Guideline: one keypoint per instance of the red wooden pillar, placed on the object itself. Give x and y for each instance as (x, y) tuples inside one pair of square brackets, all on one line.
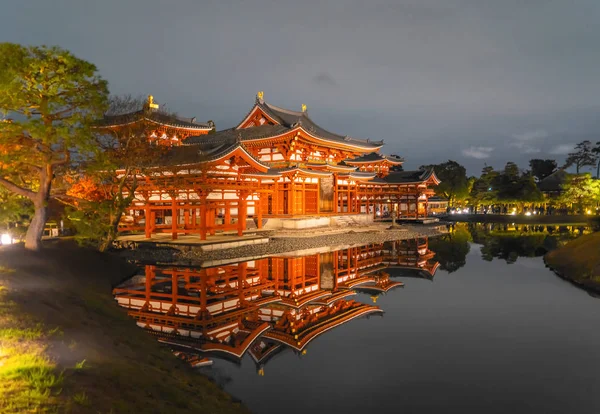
[(227, 215), (258, 210), (242, 215), (203, 220), (174, 216), (275, 198), (149, 221), (186, 218), (292, 198), (212, 220)]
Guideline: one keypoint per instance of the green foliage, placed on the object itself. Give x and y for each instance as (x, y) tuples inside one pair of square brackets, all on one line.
[(541, 169), (508, 186), (91, 222), (582, 192), (50, 98), (454, 183), (13, 208)]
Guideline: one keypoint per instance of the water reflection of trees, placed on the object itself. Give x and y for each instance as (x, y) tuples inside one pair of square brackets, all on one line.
[(451, 250), (511, 241)]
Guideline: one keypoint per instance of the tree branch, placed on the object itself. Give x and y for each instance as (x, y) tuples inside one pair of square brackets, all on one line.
[(10, 186)]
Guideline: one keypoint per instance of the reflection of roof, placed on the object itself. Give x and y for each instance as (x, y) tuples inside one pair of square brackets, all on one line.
[(292, 119), (299, 340), (375, 157), (553, 182), (153, 116)]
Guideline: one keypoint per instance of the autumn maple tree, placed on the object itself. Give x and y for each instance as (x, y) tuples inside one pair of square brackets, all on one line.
[(49, 100)]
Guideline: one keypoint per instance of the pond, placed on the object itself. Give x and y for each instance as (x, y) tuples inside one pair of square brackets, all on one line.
[(470, 322)]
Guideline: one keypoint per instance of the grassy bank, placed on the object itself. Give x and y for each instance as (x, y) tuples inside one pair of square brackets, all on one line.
[(65, 346), (519, 219), (578, 261)]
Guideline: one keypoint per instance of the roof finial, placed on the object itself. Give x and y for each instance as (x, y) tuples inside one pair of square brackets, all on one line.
[(260, 96), (151, 104), (303, 107)]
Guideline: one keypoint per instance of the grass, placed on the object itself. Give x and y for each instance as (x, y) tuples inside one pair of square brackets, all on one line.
[(81, 398), (66, 346), (578, 260), (29, 380)]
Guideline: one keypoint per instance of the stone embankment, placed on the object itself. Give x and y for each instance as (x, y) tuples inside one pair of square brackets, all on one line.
[(280, 243)]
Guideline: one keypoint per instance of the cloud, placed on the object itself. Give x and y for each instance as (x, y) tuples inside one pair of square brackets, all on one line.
[(478, 152), (324, 79), (562, 149), (531, 150), (531, 135), (522, 141)]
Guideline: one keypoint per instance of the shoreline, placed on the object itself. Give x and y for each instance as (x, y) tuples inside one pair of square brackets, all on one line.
[(578, 262), (280, 244), (59, 320)]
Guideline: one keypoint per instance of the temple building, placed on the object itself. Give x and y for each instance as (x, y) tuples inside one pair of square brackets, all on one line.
[(276, 169)]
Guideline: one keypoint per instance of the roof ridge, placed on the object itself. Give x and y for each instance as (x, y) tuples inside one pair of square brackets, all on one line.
[(287, 111)]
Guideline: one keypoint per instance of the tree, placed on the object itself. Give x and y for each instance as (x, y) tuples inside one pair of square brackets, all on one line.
[(52, 98), (454, 183), (483, 190), (100, 196), (541, 169), (596, 151), (581, 191), (14, 210), (583, 156)]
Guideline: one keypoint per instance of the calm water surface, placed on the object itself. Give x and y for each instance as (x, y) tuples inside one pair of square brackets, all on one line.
[(480, 326)]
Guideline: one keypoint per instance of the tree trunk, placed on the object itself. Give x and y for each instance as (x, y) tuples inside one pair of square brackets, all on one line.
[(33, 238)]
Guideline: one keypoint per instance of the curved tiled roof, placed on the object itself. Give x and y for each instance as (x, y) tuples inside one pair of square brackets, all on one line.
[(193, 154), (232, 134), (376, 157), (292, 119), (409, 176), (153, 116)]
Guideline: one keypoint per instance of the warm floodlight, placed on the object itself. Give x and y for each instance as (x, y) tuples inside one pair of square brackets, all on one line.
[(5, 239)]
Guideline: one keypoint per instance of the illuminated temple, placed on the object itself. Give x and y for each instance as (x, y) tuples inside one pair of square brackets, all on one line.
[(269, 305), (276, 169)]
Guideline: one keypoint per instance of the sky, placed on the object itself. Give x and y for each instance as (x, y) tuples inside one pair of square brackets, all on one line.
[(476, 81)]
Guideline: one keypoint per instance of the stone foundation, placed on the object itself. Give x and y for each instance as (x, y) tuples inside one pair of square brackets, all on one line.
[(315, 222)]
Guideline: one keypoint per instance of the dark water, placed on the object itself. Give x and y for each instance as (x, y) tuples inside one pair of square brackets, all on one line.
[(480, 326)]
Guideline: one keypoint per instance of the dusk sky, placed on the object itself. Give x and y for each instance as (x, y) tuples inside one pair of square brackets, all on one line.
[(477, 81)]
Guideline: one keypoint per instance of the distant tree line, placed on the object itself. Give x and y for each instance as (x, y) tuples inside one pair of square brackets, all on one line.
[(514, 189)]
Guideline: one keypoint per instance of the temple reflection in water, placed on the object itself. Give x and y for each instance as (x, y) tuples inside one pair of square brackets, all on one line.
[(268, 305)]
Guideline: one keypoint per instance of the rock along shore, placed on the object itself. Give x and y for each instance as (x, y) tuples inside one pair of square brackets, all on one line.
[(281, 243)]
